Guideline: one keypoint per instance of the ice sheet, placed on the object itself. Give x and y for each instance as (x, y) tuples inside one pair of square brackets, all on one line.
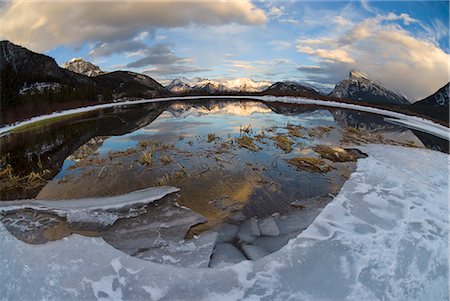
[(385, 236), (102, 210)]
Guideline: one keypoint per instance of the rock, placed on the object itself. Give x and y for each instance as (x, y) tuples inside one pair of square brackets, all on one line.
[(248, 231), (268, 227), (254, 252), (225, 254)]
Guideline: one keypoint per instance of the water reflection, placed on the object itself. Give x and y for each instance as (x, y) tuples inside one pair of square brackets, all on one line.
[(232, 160)]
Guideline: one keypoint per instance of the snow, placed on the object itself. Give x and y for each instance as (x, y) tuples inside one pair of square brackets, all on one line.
[(384, 236), (182, 84), (102, 211), (419, 123)]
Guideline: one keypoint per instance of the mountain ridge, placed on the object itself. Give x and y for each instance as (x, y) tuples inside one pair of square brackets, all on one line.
[(361, 87), (80, 66)]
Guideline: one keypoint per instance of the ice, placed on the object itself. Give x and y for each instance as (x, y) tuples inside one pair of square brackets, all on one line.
[(418, 123), (225, 254), (385, 243), (248, 230), (226, 232), (254, 252), (100, 211), (161, 225), (268, 227)]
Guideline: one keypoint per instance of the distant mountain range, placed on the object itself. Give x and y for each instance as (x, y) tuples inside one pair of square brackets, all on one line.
[(183, 85), (33, 78)]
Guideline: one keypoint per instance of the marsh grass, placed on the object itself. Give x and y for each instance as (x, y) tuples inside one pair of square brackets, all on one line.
[(283, 142), (247, 142), (146, 158), (310, 164), (165, 160), (212, 137), (335, 154)]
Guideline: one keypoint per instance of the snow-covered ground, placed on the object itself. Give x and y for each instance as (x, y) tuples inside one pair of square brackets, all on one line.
[(418, 123), (384, 237)]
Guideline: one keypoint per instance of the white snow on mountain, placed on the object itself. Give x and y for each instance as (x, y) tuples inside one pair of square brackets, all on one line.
[(78, 65), (359, 86), (384, 237), (182, 84), (39, 87)]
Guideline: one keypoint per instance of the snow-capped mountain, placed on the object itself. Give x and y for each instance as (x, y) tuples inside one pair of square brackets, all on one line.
[(288, 88), (439, 99), (183, 85), (183, 110), (359, 86), (78, 65)]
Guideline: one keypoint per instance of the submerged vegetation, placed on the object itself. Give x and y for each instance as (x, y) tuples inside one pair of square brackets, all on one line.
[(310, 164), (247, 142), (283, 142), (147, 158), (335, 154)]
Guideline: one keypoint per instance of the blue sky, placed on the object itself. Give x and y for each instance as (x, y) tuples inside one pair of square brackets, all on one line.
[(403, 44)]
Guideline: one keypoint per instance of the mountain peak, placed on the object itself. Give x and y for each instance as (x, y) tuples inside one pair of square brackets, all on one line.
[(358, 74), (78, 65), (359, 86)]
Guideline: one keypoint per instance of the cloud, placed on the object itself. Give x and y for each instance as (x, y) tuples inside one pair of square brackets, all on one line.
[(110, 48), (275, 12), (279, 44), (383, 49), (158, 54), (45, 25), (172, 70)]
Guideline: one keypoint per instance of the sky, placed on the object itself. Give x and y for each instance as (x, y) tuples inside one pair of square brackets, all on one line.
[(402, 44)]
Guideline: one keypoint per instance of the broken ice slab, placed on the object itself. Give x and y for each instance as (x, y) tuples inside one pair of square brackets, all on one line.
[(102, 211), (248, 230), (159, 236), (268, 227), (225, 254), (192, 253), (226, 232), (254, 252)]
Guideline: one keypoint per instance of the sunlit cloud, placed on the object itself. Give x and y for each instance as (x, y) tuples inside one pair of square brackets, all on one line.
[(45, 25), (384, 50)]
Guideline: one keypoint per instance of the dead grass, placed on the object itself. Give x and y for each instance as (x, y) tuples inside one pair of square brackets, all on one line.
[(212, 137), (130, 151), (247, 142), (165, 160), (283, 142), (319, 131), (7, 173), (295, 130), (146, 158), (310, 164), (335, 154), (245, 129)]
